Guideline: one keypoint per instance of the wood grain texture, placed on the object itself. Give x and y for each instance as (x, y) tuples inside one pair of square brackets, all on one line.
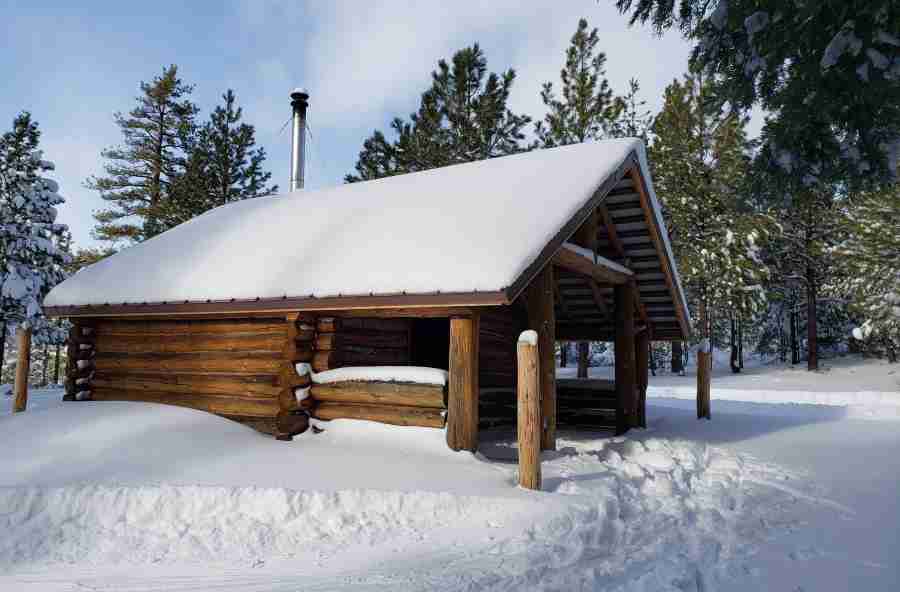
[(243, 362), (259, 386), (381, 393), (625, 370), (704, 370), (220, 404), (396, 415), (23, 366), (462, 391), (529, 415), (542, 318)]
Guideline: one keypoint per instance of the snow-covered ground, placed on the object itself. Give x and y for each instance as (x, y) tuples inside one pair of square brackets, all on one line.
[(767, 495)]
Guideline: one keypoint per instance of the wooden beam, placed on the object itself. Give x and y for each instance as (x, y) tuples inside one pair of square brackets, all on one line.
[(462, 392), (395, 415), (610, 227), (598, 297), (542, 318), (381, 393), (572, 261), (586, 235), (625, 363), (23, 365)]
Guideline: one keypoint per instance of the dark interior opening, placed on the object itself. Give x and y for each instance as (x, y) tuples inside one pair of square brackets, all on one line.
[(430, 343)]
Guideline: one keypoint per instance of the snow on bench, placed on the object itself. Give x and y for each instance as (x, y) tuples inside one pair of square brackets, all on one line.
[(413, 374)]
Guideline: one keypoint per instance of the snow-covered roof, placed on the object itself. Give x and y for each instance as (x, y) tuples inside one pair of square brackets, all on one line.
[(474, 228)]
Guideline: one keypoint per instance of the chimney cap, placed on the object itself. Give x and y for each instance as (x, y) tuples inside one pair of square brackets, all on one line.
[(299, 93)]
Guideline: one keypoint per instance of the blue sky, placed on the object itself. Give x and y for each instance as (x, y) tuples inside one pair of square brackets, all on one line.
[(73, 64)]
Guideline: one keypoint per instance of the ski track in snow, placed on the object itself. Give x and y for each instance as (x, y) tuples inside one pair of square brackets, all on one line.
[(642, 513)]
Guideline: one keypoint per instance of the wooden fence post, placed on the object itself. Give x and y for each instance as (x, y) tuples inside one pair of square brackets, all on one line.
[(22, 368), (704, 370), (529, 410), (462, 390)]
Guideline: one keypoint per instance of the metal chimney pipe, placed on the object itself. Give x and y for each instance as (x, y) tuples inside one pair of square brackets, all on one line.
[(299, 103)]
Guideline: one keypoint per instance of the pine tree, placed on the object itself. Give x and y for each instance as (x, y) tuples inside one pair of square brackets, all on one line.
[(869, 256), (700, 157), (33, 247), (587, 109), (223, 165), (827, 71), (462, 117), (139, 176), (635, 120)]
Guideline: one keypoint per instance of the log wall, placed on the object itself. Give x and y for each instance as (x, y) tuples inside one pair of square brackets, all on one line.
[(234, 368), (499, 329)]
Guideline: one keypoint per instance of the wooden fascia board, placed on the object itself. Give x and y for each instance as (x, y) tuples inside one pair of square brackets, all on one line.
[(283, 306)]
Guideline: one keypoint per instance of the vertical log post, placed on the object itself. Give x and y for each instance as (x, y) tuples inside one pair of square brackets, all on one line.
[(704, 370), (626, 387), (642, 362), (22, 368), (529, 410), (462, 391), (542, 317)]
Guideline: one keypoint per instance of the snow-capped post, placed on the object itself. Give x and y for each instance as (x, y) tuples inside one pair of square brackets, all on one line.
[(23, 365), (528, 387), (462, 391), (625, 372), (704, 369), (541, 315), (299, 104)]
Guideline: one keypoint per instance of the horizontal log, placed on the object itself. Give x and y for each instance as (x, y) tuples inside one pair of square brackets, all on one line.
[(325, 360), (288, 377), (375, 324), (213, 384), (359, 338), (381, 393), (229, 326), (220, 404), (404, 416), (234, 362), (295, 351), (302, 334), (190, 342)]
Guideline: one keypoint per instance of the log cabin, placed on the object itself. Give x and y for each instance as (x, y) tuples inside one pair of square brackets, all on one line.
[(257, 310)]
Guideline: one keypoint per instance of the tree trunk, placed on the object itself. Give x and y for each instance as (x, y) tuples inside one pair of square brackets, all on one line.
[(677, 358), (735, 366), (741, 342), (22, 370), (44, 364), (583, 354), (795, 350), (812, 329), (2, 346), (56, 365)]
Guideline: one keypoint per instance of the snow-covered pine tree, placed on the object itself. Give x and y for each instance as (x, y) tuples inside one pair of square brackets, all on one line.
[(869, 256), (33, 247), (827, 72), (462, 117), (223, 165), (700, 158), (139, 175), (587, 109), (635, 120)]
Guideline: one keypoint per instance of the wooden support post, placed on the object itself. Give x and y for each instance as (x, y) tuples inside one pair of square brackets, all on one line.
[(642, 361), (529, 410), (541, 316), (626, 387), (583, 354), (704, 370), (462, 392), (22, 367)]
